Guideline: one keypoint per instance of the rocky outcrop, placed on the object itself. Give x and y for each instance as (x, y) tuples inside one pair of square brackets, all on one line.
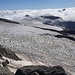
[(51, 17), (68, 25), (7, 53), (5, 63), (40, 70), (8, 21)]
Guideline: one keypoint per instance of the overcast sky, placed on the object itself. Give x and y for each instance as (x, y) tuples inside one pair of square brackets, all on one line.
[(35, 4)]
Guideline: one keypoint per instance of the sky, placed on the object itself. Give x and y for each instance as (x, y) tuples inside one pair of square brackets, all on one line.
[(35, 4)]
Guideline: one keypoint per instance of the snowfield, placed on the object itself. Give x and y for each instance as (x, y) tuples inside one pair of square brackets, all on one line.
[(41, 43)]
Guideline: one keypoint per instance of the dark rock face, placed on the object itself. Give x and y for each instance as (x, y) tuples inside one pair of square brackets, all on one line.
[(69, 25), (57, 21), (27, 15), (5, 63), (41, 70), (62, 10), (5, 71), (8, 21), (51, 17), (8, 53), (65, 36)]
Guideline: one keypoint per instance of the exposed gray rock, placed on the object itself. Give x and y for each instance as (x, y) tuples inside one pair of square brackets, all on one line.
[(8, 53), (51, 17), (8, 21), (5, 63), (40, 70)]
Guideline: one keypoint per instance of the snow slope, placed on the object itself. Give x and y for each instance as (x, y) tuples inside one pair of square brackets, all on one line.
[(38, 42), (47, 44)]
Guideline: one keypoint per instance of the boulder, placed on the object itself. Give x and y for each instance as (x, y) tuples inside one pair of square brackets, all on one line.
[(5, 63), (40, 70)]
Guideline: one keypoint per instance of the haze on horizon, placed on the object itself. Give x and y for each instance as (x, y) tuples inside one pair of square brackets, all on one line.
[(35, 4)]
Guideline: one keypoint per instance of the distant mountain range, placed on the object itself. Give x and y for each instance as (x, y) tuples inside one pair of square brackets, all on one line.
[(64, 17)]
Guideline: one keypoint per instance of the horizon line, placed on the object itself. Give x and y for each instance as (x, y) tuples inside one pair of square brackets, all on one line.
[(34, 9)]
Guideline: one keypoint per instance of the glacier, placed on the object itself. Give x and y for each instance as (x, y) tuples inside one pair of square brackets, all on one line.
[(42, 43)]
